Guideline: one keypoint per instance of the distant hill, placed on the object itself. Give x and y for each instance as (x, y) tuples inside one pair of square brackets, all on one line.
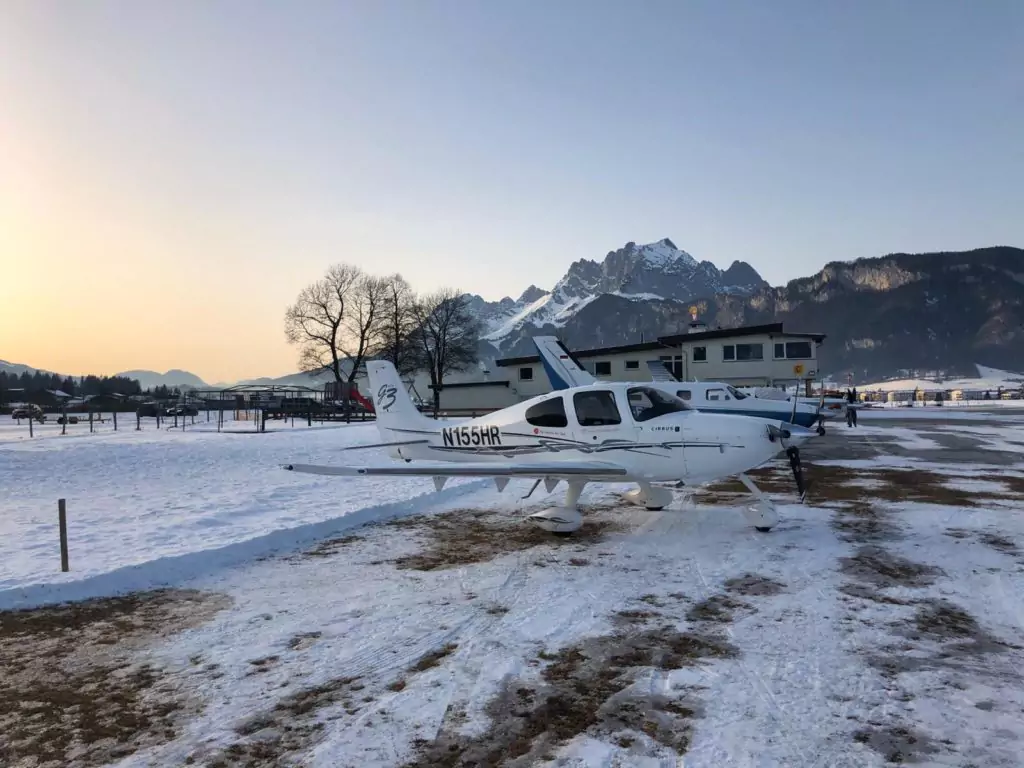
[(172, 378), (294, 380), (16, 369)]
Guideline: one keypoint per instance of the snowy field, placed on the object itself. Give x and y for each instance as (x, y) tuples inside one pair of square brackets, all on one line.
[(244, 615)]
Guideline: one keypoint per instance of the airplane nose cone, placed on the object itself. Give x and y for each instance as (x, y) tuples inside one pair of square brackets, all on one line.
[(797, 434)]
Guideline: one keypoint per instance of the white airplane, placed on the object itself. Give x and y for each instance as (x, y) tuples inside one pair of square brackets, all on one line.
[(615, 433), (565, 371), (830, 407)]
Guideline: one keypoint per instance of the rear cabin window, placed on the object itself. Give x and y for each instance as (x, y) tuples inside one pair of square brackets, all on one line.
[(684, 394), (548, 413), (717, 394), (596, 409), (648, 403)]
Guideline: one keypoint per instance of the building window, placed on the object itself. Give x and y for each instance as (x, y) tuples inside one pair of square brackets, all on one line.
[(793, 350), (739, 352), (700, 354), (596, 409), (526, 374), (603, 368), (632, 365), (548, 413)]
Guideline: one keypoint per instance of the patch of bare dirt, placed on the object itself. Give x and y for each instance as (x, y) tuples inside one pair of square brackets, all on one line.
[(462, 537), (303, 640), (865, 592), (861, 521), (942, 635), (828, 483), (433, 658), (717, 608), (629, 617), (882, 568), (328, 547), (586, 688), (896, 743), (754, 585), (71, 693), (291, 726), (999, 543)]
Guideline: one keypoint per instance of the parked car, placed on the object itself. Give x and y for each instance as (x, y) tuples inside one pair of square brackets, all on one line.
[(182, 410), (28, 411)]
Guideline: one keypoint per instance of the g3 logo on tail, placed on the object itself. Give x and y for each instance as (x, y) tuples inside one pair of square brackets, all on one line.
[(386, 397)]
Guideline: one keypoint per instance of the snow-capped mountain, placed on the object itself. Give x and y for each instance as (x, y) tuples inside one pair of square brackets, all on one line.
[(656, 272)]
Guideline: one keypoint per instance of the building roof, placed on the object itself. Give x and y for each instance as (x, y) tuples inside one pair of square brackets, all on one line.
[(646, 346), (674, 340), (726, 333), (465, 384)]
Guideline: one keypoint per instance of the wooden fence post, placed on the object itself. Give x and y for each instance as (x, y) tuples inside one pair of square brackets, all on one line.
[(90, 420), (62, 519), (115, 419), (138, 421), (31, 418)]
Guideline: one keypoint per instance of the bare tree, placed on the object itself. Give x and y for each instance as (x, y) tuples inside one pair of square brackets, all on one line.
[(448, 336), (335, 320), (396, 339), (314, 322), (360, 339)]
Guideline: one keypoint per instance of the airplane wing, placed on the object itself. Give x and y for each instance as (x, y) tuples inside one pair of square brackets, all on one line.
[(580, 469)]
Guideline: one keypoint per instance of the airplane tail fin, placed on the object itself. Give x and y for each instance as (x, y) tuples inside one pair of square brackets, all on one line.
[(563, 370), (394, 408)]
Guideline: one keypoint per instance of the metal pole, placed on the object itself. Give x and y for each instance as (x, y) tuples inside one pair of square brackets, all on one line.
[(62, 520)]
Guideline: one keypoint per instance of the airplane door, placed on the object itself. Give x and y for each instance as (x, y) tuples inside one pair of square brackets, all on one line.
[(598, 417)]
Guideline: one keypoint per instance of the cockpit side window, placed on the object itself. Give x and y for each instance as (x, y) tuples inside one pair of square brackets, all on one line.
[(736, 393), (596, 409), (548, 413), (648, 403)]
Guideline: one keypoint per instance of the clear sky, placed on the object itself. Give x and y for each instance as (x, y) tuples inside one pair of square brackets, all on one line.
[(172, 173)]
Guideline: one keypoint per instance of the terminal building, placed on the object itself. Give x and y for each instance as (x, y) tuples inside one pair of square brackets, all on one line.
[(758, 355)]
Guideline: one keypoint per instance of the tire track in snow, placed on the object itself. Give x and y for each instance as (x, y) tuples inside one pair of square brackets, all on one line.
[(757, 682)]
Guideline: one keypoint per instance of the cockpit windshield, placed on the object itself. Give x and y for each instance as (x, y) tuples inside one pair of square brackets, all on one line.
[(735, 393), (647, 403)]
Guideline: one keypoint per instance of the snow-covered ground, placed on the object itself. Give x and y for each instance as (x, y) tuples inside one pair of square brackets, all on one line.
[(880, 617)]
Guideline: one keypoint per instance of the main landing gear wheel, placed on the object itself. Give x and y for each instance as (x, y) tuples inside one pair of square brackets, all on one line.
[(652, 498), (562, 521), (762, 528), (821, 430)]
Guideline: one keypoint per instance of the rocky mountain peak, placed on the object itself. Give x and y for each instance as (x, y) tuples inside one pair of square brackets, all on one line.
[(531, 294), (657, 271)]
